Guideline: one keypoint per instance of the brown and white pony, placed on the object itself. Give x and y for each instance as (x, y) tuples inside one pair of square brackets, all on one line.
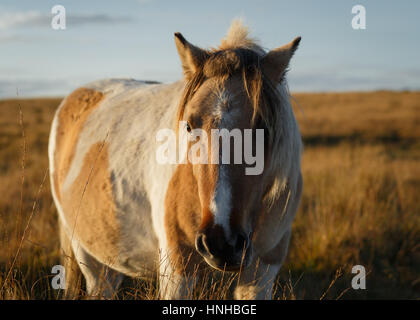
[(121, 210)]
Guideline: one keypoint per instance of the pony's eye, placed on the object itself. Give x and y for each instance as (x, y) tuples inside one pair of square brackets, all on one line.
[(188, 127)]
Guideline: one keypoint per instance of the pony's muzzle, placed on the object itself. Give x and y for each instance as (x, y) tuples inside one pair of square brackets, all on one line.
[(221, 254)]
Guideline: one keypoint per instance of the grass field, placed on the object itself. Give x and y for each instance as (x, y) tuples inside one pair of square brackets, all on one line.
[(360, 202)]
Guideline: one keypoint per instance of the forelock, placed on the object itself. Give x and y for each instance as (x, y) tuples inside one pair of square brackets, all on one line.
[(225, 63)]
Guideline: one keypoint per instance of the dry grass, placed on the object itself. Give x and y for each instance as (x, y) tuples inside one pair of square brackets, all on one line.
[(360, 206), (379, 116)]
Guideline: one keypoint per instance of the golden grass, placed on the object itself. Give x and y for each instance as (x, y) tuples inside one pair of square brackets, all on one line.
[(369, 116), (359, 206)]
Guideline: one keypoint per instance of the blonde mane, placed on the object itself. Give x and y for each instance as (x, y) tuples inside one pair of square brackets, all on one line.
[(238, 37)]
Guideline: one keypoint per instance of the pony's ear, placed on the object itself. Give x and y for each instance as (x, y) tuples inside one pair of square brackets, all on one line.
[(275, 62), (191, 56)]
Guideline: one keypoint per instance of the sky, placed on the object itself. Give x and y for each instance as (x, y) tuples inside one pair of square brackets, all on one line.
[(134, 39)]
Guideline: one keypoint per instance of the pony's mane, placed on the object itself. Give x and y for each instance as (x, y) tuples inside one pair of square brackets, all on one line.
[(238, 54)]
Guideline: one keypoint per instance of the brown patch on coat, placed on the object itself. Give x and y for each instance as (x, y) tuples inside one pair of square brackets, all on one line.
[(206, 176), (71, 118), (182, 219), (89, 206)]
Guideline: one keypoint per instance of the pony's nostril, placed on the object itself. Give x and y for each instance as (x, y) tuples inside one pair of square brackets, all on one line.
[(201, 245), (241, 242)]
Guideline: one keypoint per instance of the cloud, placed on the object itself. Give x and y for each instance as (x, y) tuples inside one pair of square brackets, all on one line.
[(10, 20), (13, 19), (96, 19), (7, 38)]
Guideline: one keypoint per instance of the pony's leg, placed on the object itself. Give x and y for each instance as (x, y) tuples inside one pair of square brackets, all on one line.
[(172, 284), (256, 282), (101, 280), (72, 270)]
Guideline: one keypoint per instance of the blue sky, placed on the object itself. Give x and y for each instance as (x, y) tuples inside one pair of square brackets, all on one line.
[(134, 39)]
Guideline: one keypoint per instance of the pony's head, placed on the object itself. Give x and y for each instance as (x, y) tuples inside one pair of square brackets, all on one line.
[(233, 87)]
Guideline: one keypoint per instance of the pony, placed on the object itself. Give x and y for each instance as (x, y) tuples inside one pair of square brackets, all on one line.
[(121, 213)]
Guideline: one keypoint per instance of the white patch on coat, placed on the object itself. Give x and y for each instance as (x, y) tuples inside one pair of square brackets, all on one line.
[(223, 97), (51, 150), (221, 203)]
